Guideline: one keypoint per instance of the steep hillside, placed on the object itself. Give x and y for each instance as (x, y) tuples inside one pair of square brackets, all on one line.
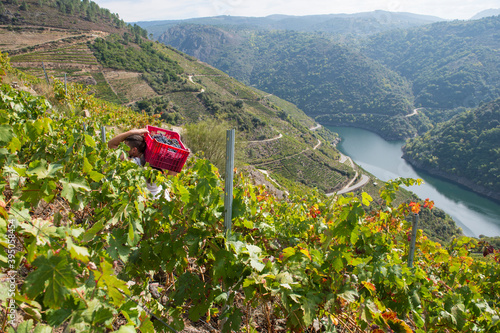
[(330, 82), (85, 247), (464, 149), (123, 67), (451, 64), (65, 14), (486, 13), (273, 135), (359, 24)]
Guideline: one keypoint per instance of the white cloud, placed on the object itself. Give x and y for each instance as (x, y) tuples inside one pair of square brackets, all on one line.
[(149, 10)]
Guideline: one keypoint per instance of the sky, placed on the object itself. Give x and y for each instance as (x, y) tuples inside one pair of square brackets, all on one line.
[(152, 10)]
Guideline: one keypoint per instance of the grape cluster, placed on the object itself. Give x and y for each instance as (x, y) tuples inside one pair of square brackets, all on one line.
[(171, 142)]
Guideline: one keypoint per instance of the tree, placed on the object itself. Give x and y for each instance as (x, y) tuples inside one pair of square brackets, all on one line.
[(23, 6)]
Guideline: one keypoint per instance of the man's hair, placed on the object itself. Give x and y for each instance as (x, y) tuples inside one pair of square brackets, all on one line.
[(136, 141)]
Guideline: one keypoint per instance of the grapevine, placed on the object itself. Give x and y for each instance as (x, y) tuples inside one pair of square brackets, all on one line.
[(104, 256)]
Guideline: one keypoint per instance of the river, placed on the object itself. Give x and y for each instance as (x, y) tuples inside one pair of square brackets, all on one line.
[(475, 214)]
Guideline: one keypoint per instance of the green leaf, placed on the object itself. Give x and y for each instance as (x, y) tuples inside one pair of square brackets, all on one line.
[(87, 167), (30, 255), (367, 199), (147, 326), (89, 141), (349, 296), (419, 321), (14, 145), (126, 329), (51, 171), (19, 213), (337, 264), (198, 310), (72, 188), (117, 249), (24, 327), (41, 170), (53, 277), (42, 329), (90, 234), (77, 252), (106, 277), (6, 134), (233, 322), (96, 176), (254, 253), (309, 305), (44, 231), (102, 315), (57, 317)]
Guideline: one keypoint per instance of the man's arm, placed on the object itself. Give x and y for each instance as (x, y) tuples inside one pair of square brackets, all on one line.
[(115, 142)]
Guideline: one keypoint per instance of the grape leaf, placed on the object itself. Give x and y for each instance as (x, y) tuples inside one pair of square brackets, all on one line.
[(106, 277), (6, 134), (53, 277), (77, 252), (87, 167), (89, 141)]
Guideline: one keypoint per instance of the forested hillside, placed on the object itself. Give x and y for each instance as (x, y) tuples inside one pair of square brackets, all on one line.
[(465, 149), (446, 66), (450, 64), (358, 24), (68, 14), (330, 82)]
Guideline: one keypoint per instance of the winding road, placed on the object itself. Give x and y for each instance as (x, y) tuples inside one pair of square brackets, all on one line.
[(348, 188), (415, 112)]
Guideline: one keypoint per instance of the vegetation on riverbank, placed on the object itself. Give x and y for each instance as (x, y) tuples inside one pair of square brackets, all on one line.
[(464, 148)]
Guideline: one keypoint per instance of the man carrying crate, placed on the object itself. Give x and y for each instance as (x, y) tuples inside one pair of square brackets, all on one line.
[(134, 139)]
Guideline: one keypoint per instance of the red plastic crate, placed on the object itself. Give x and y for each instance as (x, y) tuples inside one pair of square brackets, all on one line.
[(164, 156)]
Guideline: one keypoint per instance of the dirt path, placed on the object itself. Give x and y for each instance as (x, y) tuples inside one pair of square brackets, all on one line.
[(190, 78), (415, 112), (317, 145), (265, 172), (267, 140)]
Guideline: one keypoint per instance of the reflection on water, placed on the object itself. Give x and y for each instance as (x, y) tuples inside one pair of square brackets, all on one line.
[(475, 214)]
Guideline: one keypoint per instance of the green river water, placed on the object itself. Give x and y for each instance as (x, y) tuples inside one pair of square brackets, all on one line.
[(473, 213)]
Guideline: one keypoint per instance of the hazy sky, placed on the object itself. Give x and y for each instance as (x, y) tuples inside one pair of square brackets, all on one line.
[(149, 10)]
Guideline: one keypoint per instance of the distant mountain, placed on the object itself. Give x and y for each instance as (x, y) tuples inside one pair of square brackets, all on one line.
[(464, 149), (329, 81), (486, 13), (359, 24), (451, 64)]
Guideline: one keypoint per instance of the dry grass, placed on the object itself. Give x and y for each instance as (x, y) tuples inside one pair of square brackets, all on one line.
[(17, 40), (129, 84)]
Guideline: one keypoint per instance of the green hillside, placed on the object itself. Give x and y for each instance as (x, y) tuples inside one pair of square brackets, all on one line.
[(451, 64), (86, 248), (329, 81), (118, 64), (358, 24), (464, 149), (123, 67)]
